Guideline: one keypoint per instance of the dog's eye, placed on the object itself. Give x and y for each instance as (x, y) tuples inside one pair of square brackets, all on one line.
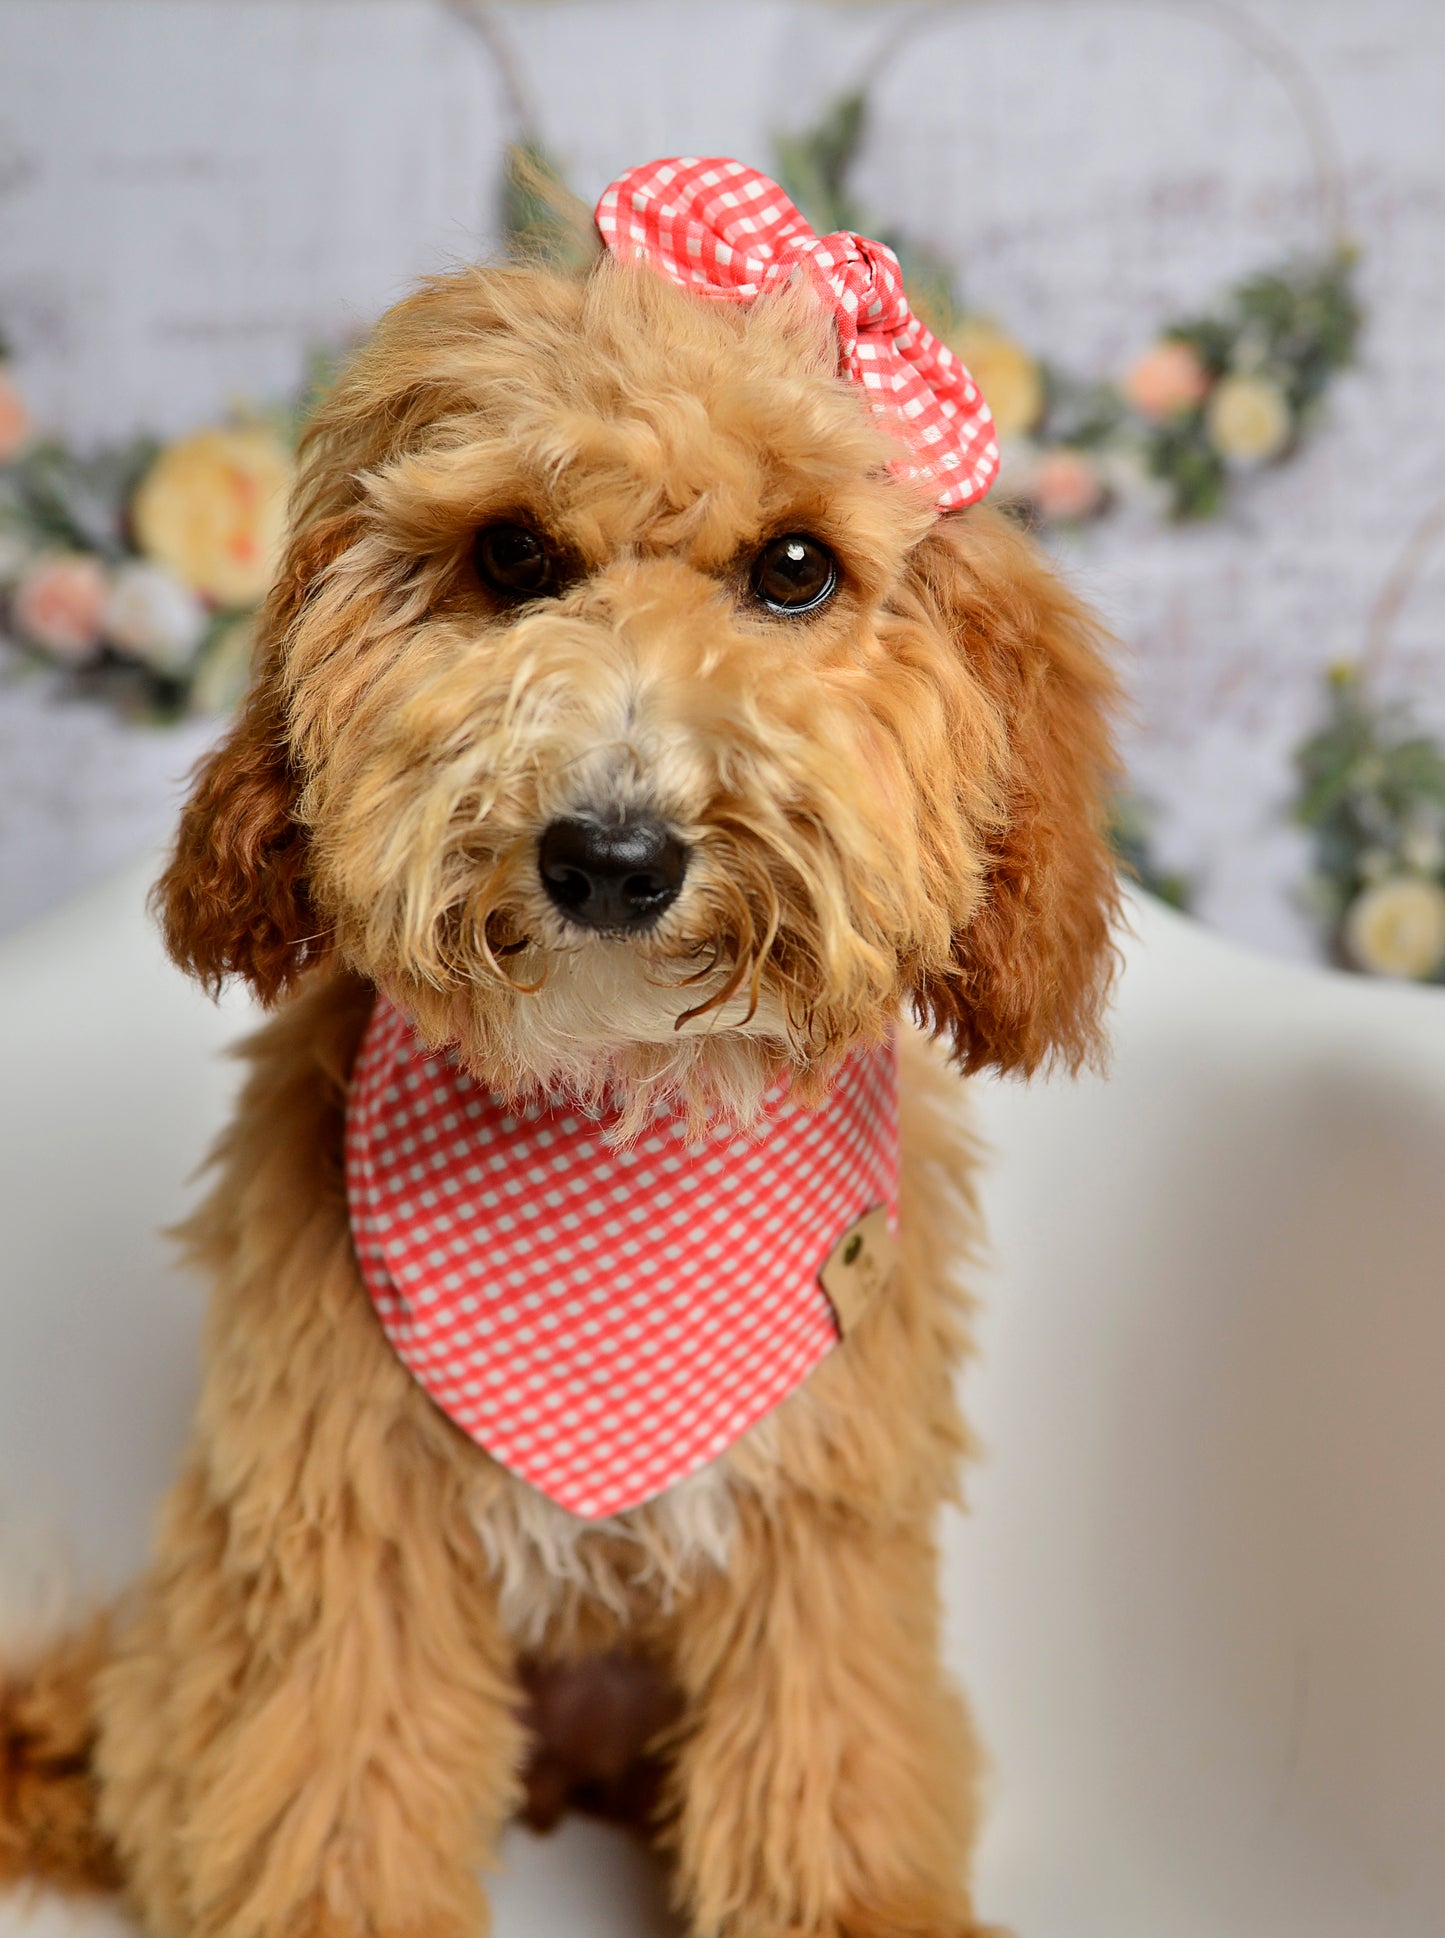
[(794, 574), (514, 561)]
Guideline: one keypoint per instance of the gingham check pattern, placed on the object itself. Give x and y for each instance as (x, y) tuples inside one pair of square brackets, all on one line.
[(603, 1321), (724, 230)]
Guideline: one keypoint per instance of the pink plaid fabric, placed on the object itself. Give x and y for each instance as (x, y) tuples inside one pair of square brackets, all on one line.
[(603, 1321), (724, 230)]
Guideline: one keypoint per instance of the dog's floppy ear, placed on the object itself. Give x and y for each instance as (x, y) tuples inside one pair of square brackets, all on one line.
[(234, 898), (1032, 968)]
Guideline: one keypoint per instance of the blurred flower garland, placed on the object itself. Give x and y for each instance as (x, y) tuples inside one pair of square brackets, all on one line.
[(1371, 794), (136, 570), (1214, 398)]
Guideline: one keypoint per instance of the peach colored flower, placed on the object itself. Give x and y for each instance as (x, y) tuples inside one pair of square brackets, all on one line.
[(59, 603), (213, 508), (1066, 485), (14, 419), (1166, 381), (1004, 371)]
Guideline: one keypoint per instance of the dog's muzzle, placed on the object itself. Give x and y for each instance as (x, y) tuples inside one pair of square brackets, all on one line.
[(619, 878)]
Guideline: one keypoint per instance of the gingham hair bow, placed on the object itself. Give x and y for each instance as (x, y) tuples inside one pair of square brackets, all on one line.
[(724, 230)]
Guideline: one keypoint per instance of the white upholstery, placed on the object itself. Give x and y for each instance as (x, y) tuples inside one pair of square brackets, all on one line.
[(1201, 1597)]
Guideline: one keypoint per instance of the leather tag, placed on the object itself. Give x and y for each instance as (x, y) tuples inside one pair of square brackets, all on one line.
[(858, 1267)]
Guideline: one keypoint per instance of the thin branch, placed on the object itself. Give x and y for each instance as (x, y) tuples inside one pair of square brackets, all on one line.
[(1398, 587), (483, 21)]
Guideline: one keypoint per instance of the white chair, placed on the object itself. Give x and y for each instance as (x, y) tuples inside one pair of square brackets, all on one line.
[(1200, 1601)]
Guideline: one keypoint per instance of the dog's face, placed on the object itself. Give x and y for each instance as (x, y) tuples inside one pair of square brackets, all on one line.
[(624, 718)]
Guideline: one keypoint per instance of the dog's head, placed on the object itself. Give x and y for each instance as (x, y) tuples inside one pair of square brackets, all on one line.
[(623, 717)]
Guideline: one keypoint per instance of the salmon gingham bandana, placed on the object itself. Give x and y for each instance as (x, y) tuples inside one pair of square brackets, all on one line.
[(724, 230), (604, 1321)]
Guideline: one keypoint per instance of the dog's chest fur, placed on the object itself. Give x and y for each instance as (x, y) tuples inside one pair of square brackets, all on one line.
[(542, 1556)]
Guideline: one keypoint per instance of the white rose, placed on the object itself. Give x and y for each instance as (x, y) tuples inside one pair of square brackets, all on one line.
[(1397, 929), (1248, 420), (153, 617)]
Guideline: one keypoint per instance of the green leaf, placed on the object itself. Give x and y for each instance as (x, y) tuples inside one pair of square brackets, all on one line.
[(1366, 776), (1418, 767), (813, 167), (542, 220), (838, 137), (1182, 457), (1211, 338), (1085, 415), (1130, 834)]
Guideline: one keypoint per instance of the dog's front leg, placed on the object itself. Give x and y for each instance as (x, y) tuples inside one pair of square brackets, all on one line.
[(825, 1788), (310, 1726), (324, 1750)]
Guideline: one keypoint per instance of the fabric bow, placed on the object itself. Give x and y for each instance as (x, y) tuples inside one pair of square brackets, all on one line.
[(723, 229)]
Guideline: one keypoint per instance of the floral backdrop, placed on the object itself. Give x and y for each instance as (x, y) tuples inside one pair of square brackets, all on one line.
[(1195, 288)]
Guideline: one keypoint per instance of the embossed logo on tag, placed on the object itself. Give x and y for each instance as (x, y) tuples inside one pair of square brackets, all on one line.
[(857, 1268)]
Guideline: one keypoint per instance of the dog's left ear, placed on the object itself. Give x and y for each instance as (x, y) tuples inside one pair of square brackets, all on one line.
[(234, 899), (1031, 970)]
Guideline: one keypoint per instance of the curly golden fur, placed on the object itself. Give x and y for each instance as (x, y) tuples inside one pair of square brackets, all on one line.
[(311, 1717)]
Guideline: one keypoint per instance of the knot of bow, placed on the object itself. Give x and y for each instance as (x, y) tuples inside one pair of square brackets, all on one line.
[(724, 230)]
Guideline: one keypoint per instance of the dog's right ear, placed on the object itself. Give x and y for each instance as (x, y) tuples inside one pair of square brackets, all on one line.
[(234, 899)]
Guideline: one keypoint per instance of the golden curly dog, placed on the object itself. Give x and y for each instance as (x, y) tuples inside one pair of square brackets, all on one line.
[(527, 578)]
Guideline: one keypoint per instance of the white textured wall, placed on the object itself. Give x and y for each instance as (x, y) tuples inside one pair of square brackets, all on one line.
[(193, 190)]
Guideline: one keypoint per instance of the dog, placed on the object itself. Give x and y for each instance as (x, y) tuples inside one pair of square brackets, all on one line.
[(634, 735)]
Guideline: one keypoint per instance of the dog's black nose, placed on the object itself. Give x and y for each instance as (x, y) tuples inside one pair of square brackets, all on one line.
[(620, 877)]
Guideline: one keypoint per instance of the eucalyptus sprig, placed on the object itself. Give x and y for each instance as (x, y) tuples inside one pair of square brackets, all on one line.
[(54, 497), (1371, 794), (1267, 355), (1131, 835), (543, 221), (131, 572)]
